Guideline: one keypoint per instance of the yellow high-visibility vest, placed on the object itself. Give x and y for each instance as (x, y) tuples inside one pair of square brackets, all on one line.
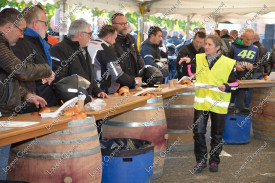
[(212, 99)]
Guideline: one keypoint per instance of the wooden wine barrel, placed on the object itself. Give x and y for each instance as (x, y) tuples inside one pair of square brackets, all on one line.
[(262, 108), (70, 155), (179, 111), (146, 123)]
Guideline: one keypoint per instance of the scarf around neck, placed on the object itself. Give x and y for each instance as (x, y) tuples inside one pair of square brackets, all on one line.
[(46, 46)]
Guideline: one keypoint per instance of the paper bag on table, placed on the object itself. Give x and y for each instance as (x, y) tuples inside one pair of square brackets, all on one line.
[(96, 105)]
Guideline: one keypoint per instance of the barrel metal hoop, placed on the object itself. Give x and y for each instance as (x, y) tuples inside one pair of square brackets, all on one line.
[(264, 136), (187, 93), (74, 131), (70, 141), (262, 123), (148, 108), (81, 122), (64, 155), (135, 124), (187, 148), (179, 131), (261, 92), (180, 106), (187, 143), (157, 99), (266, 130), (261, 99)]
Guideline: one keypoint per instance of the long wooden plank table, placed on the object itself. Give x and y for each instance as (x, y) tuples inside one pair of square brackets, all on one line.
[(118, 104), (11, 135), (167, 92), (256, 83), (115, 105)]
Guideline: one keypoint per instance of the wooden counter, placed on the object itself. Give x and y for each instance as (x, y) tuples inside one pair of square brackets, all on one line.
[(118, 104), (17, 134), (256, 83)]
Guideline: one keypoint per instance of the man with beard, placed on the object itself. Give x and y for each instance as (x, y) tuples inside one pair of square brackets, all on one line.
[(126, 47), (107, 69), (34, 44), (150, 50)]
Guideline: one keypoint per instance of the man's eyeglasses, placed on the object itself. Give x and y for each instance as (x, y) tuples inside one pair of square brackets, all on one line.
[(21, 30), (89, 33), (122, 24), (46, 23)]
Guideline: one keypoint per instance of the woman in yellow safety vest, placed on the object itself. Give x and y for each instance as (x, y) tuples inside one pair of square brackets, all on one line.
[(213, 68)]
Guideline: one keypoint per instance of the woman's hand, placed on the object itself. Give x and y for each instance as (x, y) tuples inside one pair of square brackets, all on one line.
[(222, 88)]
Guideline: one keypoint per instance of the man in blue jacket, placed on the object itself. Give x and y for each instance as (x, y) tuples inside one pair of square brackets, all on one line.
[(150, 51)]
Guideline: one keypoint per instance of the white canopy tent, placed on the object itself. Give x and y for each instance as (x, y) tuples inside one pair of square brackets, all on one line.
[(226, 9), (234, 11)]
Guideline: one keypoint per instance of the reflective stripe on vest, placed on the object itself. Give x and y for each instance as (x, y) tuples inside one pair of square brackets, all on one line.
[(212, 99)]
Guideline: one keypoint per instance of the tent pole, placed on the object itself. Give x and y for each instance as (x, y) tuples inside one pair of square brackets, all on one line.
[(63, 19), (187, 27)]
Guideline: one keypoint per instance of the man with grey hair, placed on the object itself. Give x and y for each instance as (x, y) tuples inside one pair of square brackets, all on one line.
[(247, 56), (100, 23), (35, 50), (71, 57)]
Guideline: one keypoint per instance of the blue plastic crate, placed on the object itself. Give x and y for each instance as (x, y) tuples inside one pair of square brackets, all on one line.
[(237, 127), (120, 166)]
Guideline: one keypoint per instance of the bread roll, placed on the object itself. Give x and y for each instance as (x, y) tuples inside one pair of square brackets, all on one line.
[(76, 109), (35, 114), (68, 112), (187, 82), (83, 115), (45, 110)]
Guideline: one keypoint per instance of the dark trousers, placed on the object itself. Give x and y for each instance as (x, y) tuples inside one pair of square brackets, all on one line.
[(240, 98), (199, 130)]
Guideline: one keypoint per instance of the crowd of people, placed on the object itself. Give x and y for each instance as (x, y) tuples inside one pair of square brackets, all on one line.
[(109, 59)]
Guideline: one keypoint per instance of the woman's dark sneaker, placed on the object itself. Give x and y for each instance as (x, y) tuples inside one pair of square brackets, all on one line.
[(213, 167)]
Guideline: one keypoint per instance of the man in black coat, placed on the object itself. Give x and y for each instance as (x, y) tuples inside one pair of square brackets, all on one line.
[(71, 56), (35, 50), (126, 47), (107, 68), (186, 59)]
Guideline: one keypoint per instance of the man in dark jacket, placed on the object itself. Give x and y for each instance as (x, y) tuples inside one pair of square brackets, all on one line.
[(226, 41), (186, 59), (260, 68), (150, 51), (174, 39), (12, 69), (247, 56), (271, 62), (72, 57), (126, 47), (34, 44), (107, 69)]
